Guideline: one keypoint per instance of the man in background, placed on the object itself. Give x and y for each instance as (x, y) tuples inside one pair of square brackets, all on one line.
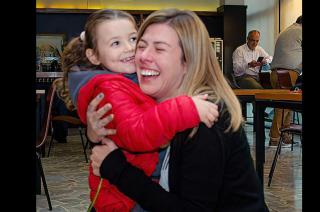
[(245, 62), (287, 56)]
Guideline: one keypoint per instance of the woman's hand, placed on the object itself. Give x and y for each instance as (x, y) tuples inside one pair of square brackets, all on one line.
[(95, 125), (100, 152)]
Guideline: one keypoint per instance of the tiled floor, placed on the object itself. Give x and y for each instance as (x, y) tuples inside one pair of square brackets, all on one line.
[(66, 174)]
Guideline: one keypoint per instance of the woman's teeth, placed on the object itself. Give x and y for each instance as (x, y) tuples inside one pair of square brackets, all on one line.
[(147, 73)]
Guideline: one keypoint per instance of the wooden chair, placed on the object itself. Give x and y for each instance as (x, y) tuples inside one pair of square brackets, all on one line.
[(232, 81), (41, 139), (284, 79), (74, 121), (293, 129), (284, 82)]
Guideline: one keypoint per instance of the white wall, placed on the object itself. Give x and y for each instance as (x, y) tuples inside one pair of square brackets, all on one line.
[(263, 15), (232, 2), (196, 5), (290, 11)]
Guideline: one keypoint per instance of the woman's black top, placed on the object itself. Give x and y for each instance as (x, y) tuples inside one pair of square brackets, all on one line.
[(213, 171)]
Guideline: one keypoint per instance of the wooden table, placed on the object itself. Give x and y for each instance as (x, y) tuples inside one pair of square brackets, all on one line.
[(248, 96), (276, 99), (252, 92), (279, 95)]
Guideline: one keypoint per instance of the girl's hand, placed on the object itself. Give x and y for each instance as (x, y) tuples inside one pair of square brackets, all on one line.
[(208, 111)]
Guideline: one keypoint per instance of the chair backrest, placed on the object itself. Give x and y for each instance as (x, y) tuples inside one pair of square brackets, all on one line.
[(41, 138), (284, 79), (232, 81), (71, 119), (264, 79)]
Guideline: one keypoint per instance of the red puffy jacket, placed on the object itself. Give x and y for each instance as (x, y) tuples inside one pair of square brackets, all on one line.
[(142, 127)]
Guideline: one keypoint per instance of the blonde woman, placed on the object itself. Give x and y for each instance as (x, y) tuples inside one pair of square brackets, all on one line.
[(101, 59), (205, 169)]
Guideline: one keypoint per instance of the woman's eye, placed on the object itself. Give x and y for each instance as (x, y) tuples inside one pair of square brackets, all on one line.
[(115, 43), (133, 39), (141, 47), (159, 50)]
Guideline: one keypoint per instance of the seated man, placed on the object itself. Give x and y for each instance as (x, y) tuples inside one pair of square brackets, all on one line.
[(287, 56), (245, 62)]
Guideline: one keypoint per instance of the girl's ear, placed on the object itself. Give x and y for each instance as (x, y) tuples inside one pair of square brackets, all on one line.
[(92, 57)]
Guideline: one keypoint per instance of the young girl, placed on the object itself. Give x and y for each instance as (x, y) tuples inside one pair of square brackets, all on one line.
[(102, 60)]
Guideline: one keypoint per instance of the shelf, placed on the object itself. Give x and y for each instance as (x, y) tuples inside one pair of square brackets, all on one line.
[(49, 74)]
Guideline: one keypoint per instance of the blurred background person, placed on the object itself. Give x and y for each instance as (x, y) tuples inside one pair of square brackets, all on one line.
[(287, 56)]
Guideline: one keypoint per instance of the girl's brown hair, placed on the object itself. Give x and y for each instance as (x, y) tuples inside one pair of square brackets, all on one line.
[(74, 54)]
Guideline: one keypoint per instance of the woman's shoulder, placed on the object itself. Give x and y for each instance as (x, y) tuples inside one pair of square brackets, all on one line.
[(221, 132)]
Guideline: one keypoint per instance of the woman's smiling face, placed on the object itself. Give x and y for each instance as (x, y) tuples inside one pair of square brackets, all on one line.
[(159, 62)]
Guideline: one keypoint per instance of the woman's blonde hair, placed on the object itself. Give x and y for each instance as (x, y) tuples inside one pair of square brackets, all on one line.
[(74, 53), (203, 71)]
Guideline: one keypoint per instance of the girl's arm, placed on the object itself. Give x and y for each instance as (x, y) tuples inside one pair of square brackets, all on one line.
[(146, 128)]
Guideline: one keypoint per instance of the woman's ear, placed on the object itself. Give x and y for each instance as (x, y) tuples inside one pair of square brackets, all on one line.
[(92, 57)]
